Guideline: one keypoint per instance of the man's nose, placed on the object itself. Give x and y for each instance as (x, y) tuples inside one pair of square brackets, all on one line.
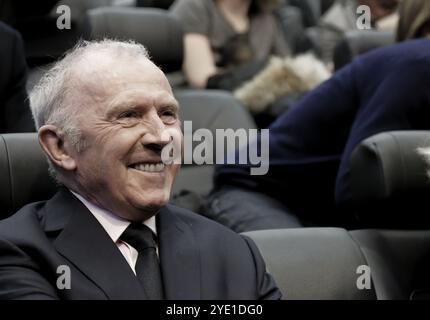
[(157, 136)]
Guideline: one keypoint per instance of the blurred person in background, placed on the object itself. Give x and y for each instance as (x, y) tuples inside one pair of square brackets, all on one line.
[(310, 146), (342, 17), (414, 20), (15, 115), (221, 35), (240, 46)]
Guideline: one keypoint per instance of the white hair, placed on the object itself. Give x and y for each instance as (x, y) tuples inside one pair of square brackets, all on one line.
[(425, 153), (53, 100)]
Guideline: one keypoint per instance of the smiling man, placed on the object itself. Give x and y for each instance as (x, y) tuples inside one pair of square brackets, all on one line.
[(109, 233)]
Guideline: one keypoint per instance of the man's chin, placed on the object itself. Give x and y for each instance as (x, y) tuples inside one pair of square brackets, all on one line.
[(153, 205)]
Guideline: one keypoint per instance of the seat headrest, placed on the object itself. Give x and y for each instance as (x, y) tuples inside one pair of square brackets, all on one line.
[(389, 181), (156, 29), (357, 42), (23, 171)]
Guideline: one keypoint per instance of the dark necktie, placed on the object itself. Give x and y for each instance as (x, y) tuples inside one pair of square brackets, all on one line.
[(147, 267)]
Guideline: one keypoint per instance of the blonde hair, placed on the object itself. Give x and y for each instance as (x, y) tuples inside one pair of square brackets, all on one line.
[(414, 19)]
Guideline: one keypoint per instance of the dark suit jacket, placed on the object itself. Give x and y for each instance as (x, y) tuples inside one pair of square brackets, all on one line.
[(199, 258), (15, 114)]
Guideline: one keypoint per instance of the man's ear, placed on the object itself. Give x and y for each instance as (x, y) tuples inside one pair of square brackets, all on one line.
[(52, 141)]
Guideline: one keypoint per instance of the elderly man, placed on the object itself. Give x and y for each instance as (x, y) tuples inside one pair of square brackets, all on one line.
[(109, 233)]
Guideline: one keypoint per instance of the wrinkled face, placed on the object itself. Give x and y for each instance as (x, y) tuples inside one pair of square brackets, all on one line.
[(120, 166)]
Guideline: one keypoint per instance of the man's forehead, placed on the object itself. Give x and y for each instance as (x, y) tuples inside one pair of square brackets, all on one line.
[(114, 65), (101, 75), (136, 95)]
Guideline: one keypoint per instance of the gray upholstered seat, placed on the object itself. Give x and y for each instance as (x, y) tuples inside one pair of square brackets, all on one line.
[(307, 263), (158, 31), (389, 181), (313, 263), (358, 42), (327, 263)]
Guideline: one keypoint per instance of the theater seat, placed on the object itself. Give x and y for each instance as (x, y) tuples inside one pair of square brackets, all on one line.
[(390, 188), (358, 42), (327, 263), (23, 172), (158, 31), (162, 4), (291, 21), (307, 263), (389, 181), (209, 109), (313, 263), (399, 262)]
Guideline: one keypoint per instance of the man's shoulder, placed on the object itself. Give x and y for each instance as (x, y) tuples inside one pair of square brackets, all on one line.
[(21, 224), (195, 219), (216, 240), (206, 228)]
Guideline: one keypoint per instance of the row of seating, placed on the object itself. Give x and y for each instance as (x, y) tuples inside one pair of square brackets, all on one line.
[(307, 263)]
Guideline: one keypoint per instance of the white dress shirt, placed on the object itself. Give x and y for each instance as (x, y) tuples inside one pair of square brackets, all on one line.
[(115, 226)]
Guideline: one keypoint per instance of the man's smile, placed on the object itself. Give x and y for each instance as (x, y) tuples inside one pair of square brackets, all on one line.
[(149, 167)]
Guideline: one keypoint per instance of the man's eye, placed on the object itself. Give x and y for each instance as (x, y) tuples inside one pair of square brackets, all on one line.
[(169, 116), (128, 114)]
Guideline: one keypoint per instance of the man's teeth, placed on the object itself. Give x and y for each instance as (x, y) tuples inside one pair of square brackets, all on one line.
[(150, 167)]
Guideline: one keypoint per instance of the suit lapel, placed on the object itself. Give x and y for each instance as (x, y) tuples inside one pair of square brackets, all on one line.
[(85, 243), (179, 257)]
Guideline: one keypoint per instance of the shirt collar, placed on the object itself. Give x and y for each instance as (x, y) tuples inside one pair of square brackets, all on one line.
[(113, 224)]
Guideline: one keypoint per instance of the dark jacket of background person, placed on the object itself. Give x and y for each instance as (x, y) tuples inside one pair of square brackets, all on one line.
[(62, 232), (310, 145), (15, 115), (414, 19)]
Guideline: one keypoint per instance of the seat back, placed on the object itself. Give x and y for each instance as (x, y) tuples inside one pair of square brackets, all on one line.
[(389, 181), (331, 263), (209, 109), (158, 31), (310, 9), (162, 4), (399, 262), (23, 171), (291, 22), (313, 263), (358, 42)]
